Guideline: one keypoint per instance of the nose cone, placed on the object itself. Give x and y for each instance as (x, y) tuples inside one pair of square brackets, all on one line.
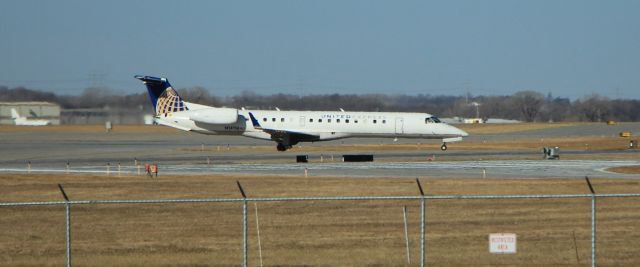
[(462, 133), (457, 132)]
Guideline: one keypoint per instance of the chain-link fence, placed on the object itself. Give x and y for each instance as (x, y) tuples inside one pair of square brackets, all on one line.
[(552, 229)]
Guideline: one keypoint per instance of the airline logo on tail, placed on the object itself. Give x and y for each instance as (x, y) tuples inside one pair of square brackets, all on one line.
[(164, 98), (169, 102)]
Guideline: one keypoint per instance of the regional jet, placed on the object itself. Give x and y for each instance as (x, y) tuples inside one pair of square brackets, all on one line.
[(288, 128), (19, 120)]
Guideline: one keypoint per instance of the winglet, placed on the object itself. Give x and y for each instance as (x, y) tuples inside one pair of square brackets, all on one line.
[(254, 121)]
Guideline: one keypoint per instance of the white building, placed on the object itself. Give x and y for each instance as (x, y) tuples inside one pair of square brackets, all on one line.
[(31, 110)]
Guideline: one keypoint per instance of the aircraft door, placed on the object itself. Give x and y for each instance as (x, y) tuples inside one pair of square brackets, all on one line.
[(399, 125), (302, 119)]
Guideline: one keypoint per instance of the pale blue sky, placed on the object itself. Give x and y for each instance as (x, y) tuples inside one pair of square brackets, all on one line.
[(569, 48)]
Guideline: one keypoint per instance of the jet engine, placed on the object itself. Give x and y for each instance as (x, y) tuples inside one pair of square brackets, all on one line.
[(214, 115)]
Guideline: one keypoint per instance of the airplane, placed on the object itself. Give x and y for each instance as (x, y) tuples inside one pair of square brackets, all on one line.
[(25, 121), (288, 128)]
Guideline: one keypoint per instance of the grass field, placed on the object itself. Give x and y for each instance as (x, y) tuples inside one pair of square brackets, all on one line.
[(496, 128), (626, 169), (551, 232)]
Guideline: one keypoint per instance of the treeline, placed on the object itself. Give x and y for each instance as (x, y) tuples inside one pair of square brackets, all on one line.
[(525, 105)]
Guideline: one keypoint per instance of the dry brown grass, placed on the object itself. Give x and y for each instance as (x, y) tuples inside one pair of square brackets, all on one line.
[(550, 232), (494, 128), (626, 169)]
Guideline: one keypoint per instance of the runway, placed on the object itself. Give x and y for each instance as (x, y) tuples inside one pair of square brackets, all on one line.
[(178, 153), (457, 169)]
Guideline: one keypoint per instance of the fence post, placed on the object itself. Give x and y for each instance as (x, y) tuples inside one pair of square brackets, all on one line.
[(593, 222), (258, 232), (406, 234), (67, 206), (245, 241), (422, 223)]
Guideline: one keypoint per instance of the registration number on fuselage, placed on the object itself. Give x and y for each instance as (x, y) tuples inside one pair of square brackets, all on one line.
[(333, 116), (234, 128)]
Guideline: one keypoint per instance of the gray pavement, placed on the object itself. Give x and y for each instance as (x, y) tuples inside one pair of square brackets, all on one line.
[(599, 129), (90, 152), (458, 169)]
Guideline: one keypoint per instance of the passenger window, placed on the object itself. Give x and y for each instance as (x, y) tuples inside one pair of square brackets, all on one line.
[(319, 120), (338, 120), (355, 121), (264, 119), (384, 121), (374, 121), (281, 119), (273, 119), (328, 120), (310, 120), (346, 121)]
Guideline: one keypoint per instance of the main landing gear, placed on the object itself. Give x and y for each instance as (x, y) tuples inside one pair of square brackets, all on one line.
[(443, 147), (282, 147)]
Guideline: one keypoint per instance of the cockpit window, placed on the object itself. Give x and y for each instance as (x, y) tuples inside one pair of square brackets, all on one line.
[(432, 120)]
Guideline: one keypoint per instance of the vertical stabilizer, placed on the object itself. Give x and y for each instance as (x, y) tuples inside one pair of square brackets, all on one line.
[(164, 98), (14, 114)]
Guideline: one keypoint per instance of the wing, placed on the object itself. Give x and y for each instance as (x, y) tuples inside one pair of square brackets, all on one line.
[(291, 137)]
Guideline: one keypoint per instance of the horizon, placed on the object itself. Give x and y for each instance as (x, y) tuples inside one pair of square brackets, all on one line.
[(363, 94)]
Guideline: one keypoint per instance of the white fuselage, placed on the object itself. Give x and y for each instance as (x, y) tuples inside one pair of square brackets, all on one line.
[(25, 122), (326, 125)]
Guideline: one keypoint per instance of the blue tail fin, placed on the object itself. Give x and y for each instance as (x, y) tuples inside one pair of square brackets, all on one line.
[(254, 121), (164, 99)]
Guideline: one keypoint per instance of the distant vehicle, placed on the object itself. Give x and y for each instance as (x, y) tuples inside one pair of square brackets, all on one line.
[(474, 120), (27, 122), (288, 128)]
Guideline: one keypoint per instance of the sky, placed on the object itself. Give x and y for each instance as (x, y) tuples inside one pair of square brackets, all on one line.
[(569, 48)]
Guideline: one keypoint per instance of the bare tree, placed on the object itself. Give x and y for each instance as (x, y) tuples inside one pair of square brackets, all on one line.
[(594, 107), (529, 103), (199, 95), (524, 105), (555, 109)]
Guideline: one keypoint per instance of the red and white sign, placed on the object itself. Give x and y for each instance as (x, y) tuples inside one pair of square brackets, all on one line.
[(502, 243)]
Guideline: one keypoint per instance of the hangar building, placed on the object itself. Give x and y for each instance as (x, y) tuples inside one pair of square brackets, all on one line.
[(31, 110)]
